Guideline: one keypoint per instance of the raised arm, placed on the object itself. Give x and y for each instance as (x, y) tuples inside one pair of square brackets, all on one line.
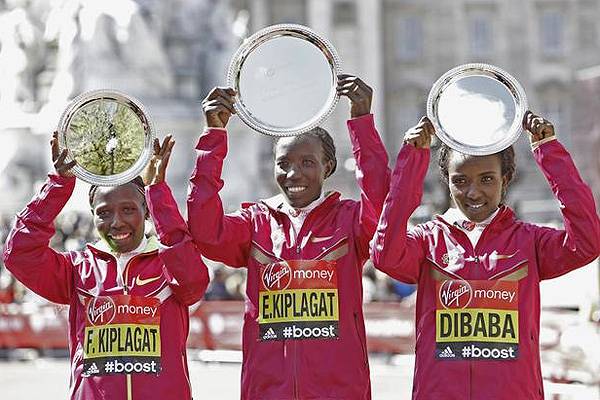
[(562, 250), (179, 254), (220, 237), (27, 253), (372, 170), (395, 251)]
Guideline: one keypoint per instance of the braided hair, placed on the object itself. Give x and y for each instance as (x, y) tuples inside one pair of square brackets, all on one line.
[(327, 145), (138, 182), (507, 163)]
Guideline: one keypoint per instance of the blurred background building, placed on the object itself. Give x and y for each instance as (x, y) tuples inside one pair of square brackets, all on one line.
[(170, 53), (402, 46)]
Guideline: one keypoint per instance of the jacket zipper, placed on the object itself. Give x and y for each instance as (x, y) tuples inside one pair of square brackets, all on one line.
[(309, 217), (129, 385), (470, 379), (296, 389), (297, 247), (475, 252), (476, 248), (126, 291)]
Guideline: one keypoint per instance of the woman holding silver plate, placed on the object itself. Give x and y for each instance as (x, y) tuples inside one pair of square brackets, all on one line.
[(128, 294), (478, 268), (303, 334)]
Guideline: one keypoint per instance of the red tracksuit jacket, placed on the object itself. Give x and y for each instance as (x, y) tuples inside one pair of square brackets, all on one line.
[(303, 335), (170, 276), (478, 309)]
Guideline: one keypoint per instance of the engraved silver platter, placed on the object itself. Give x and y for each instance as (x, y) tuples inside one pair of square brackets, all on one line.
[(109, 134), (477, 109), (285, 77)]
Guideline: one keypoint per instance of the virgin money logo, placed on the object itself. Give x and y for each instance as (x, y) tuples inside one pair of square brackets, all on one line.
[(277, 276), (101, 310), (455, 294)]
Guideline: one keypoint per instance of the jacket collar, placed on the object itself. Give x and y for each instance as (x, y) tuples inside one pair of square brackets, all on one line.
[(276, 203), (147, 246), (504, 216)]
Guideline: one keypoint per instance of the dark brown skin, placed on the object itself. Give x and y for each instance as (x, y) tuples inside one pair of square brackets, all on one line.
[(58, 158), (218, 105), (300, 169), (419, 135), (359, 93), (537, 127), (476, 183), (299, 163), (156, 169), (120, 211), (119, 214)]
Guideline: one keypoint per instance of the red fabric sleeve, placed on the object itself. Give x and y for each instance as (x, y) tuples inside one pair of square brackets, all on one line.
[(395, 251), (373, 176), (220, 237), (562, 250), (27, 253), (181, 258)]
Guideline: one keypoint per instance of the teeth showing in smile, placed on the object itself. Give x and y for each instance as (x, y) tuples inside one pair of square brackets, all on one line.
[(121, 236), (296, 189), (475, 206)]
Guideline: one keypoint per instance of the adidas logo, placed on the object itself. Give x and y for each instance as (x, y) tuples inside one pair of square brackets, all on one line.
[(270, 334), (93, 369), (447, 353)]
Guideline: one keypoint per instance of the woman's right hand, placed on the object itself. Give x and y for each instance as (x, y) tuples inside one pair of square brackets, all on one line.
[(58, 159), (420, 135), (156, 169), (218, 107)]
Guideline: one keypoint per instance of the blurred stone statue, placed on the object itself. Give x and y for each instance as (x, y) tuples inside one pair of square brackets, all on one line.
[(16, 40), (106, 44)]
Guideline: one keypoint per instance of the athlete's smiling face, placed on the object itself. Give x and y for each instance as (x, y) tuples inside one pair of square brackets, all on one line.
[(119, 214), (476, 184), (300, 169)]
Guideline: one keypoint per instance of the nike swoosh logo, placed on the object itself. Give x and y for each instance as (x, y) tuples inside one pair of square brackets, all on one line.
[(315, 239), (142, 282), (496, 256)]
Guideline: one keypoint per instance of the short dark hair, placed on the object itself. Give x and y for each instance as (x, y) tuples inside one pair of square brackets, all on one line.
[(327, 144), (507, 162), (137, 181)]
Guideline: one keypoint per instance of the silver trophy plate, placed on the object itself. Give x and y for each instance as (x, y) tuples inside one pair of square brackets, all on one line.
[(109, 134), (477, 109), (285, 77)]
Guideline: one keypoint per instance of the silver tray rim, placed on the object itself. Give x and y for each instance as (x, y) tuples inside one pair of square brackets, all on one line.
[(137, 107), (481, 69), (263, 35)]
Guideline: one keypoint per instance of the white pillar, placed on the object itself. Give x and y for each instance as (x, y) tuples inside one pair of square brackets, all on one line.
[(370, 28), (319, 16), (259, 15)]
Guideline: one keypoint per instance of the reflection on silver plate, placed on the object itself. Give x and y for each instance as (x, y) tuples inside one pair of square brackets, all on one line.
[(285, 77), (109, 134), (477, 108)]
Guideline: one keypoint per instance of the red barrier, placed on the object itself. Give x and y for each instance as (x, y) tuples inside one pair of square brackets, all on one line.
[(6, 296), (28, 327), (213, 325)]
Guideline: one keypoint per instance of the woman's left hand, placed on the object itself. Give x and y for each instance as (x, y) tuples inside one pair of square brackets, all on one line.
[(359, 93), (538, 127), (157, 167)]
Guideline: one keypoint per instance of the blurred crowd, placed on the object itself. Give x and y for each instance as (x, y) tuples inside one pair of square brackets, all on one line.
[(75, 229)]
